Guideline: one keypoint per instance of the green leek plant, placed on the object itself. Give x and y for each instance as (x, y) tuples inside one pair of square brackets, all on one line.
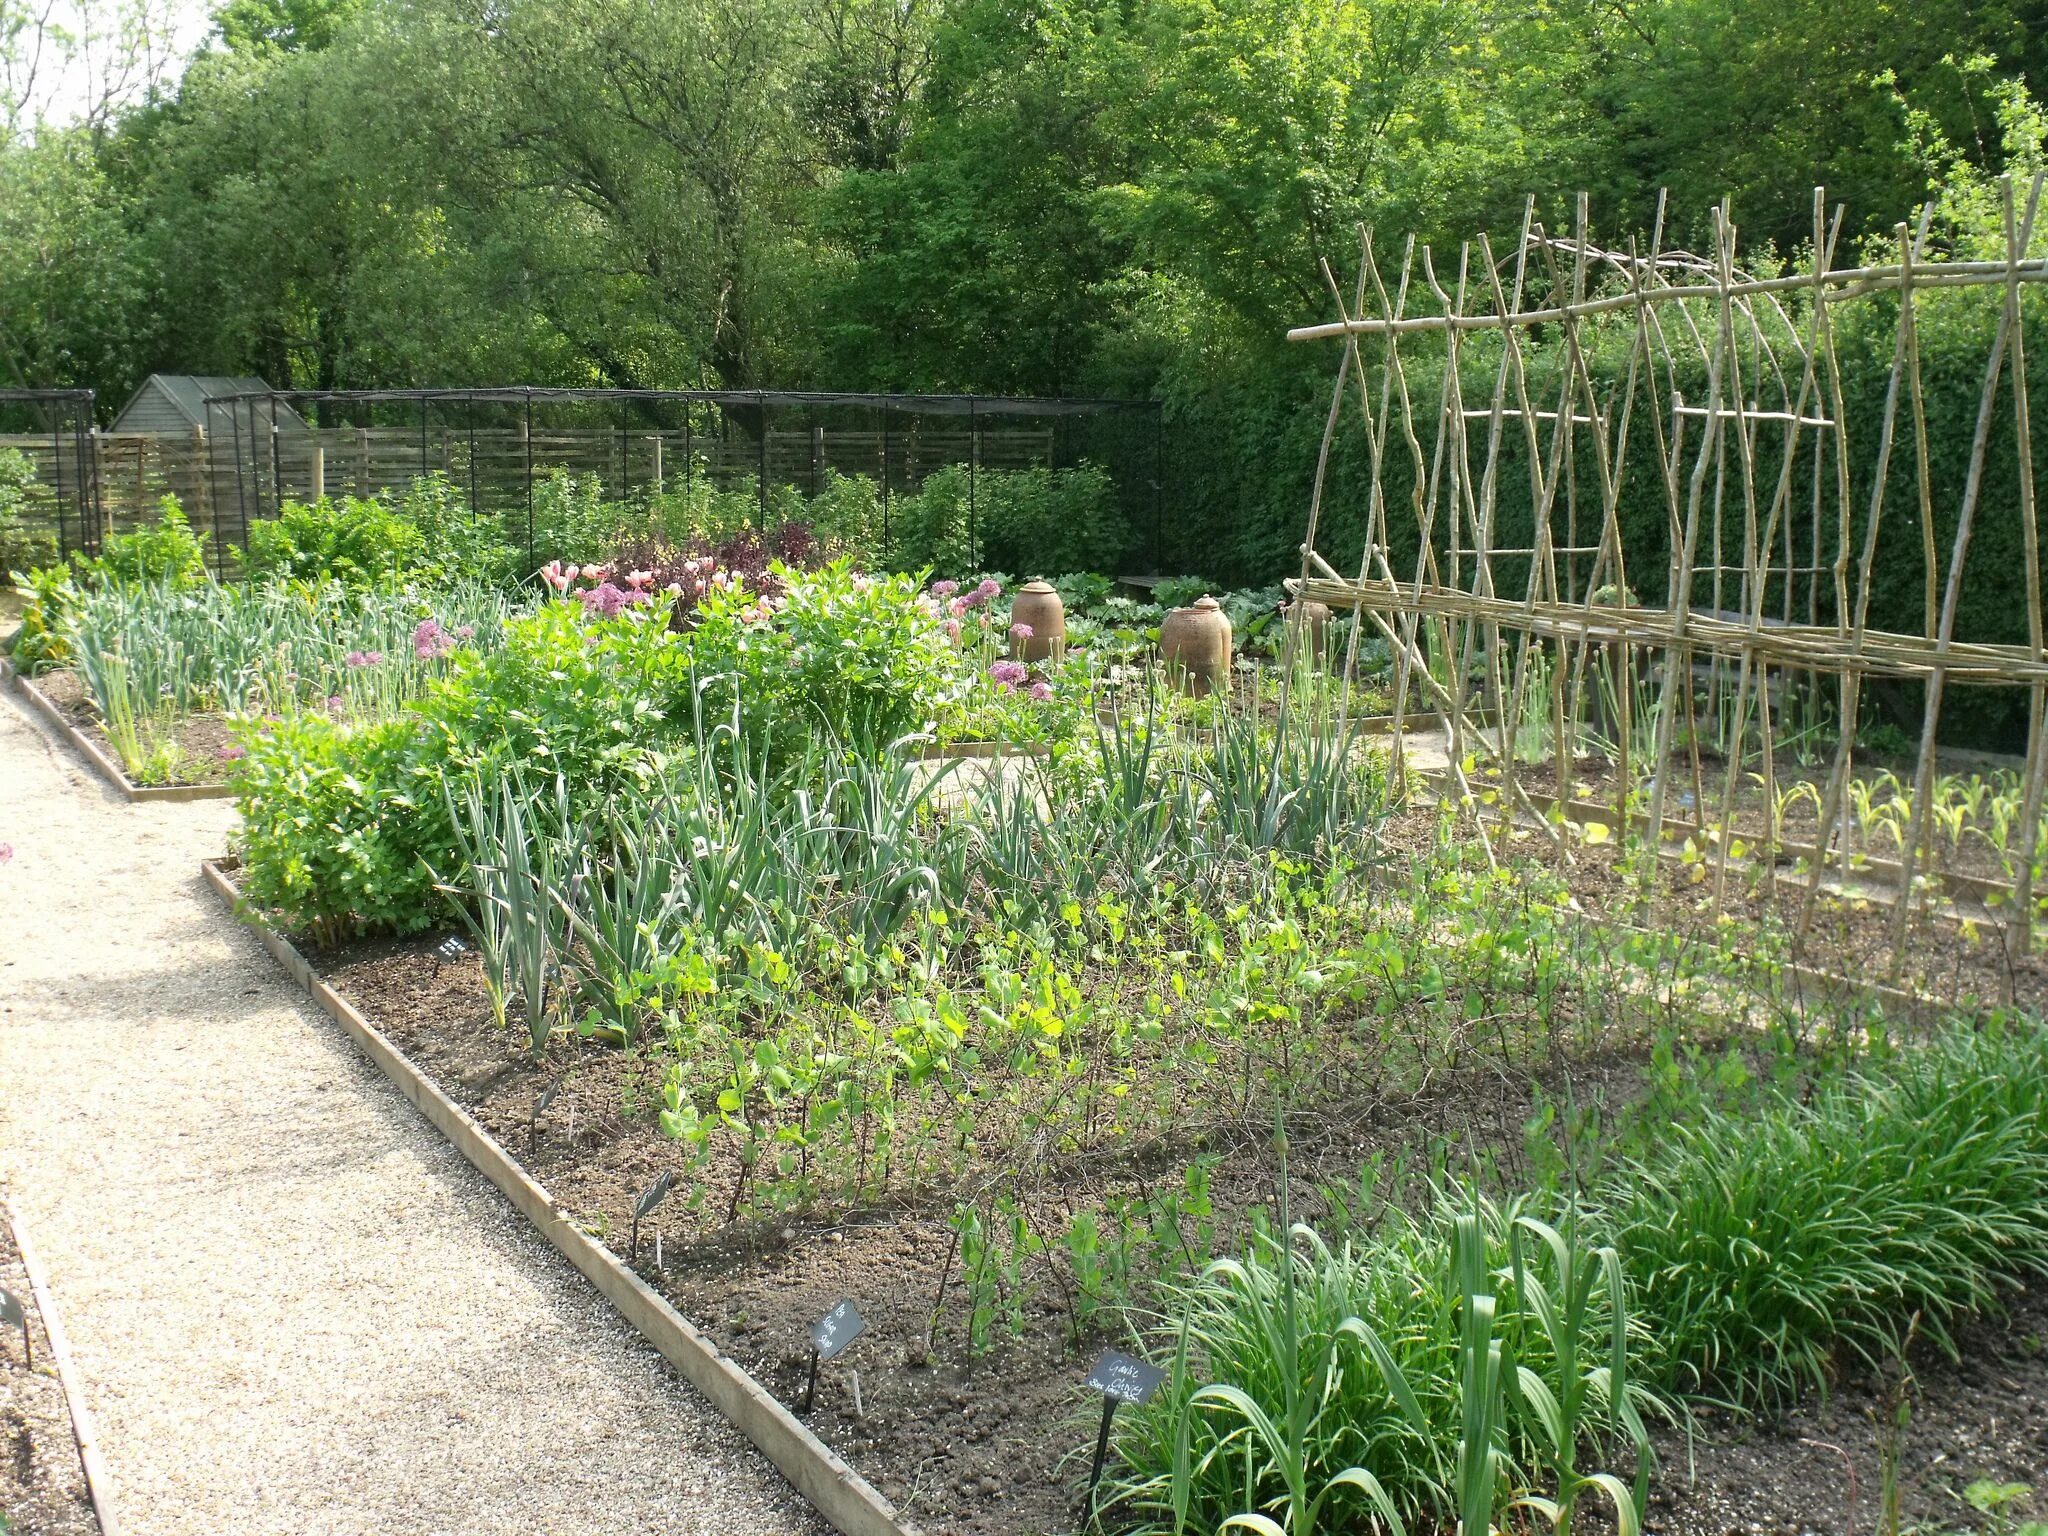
[(485, 905), (106, 674), (1278, 1443), (1435, 1358), (621, 917), (514, 851), (1585, 1385)]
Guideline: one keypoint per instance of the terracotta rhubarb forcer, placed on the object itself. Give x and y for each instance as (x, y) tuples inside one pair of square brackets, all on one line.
[(1194, 645), (1038, 608)]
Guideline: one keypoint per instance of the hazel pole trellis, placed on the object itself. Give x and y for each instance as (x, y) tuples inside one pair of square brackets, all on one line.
[(1768, 373)]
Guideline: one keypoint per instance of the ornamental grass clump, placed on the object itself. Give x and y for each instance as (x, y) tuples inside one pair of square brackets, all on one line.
[(1771, 1245)]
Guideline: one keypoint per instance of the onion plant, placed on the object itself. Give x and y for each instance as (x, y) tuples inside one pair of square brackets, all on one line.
[(280, 647)]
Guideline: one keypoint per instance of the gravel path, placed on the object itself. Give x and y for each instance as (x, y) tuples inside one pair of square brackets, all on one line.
[(296, 1309)]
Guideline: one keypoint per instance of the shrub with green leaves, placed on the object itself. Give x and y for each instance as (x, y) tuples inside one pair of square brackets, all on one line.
[(347, 827), (933, 528), (358, 541), (167, 552), (847, 516), (572, 520), (860, 658), (342, 826), (589, 698), (1037, 521), (43, 640), (455, 542), (22, 548)]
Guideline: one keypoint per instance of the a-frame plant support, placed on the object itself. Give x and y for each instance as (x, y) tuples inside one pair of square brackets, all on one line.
[(1620, 502)]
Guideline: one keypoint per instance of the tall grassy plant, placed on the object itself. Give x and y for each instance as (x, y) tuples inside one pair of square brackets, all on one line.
[(1426, 1358), (1767, 1244)]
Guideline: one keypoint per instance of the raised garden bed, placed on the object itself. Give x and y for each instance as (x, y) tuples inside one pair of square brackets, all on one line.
[(953, 1437), (61, 700), (52, 1478)]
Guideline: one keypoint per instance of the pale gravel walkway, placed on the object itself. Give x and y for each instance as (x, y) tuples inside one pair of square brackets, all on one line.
[(296, 1308)]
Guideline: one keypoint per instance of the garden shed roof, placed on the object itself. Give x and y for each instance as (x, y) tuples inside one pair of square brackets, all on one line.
[(176, 402)]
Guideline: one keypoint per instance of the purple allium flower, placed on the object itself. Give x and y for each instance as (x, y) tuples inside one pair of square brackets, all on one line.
[(1021, 630), (989, 587), (233, 750), (1008, 674), (945, 588), (336, 705), (1041, 691), (360, 659), (430, 642), (608, 601), (465, 631)]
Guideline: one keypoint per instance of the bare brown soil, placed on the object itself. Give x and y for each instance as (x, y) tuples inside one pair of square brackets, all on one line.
[(1964, 965), (1980, 1419)]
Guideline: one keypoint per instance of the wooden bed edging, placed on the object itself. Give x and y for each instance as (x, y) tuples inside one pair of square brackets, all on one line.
[(83, 1431), (833, 1488), (90, 750)]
